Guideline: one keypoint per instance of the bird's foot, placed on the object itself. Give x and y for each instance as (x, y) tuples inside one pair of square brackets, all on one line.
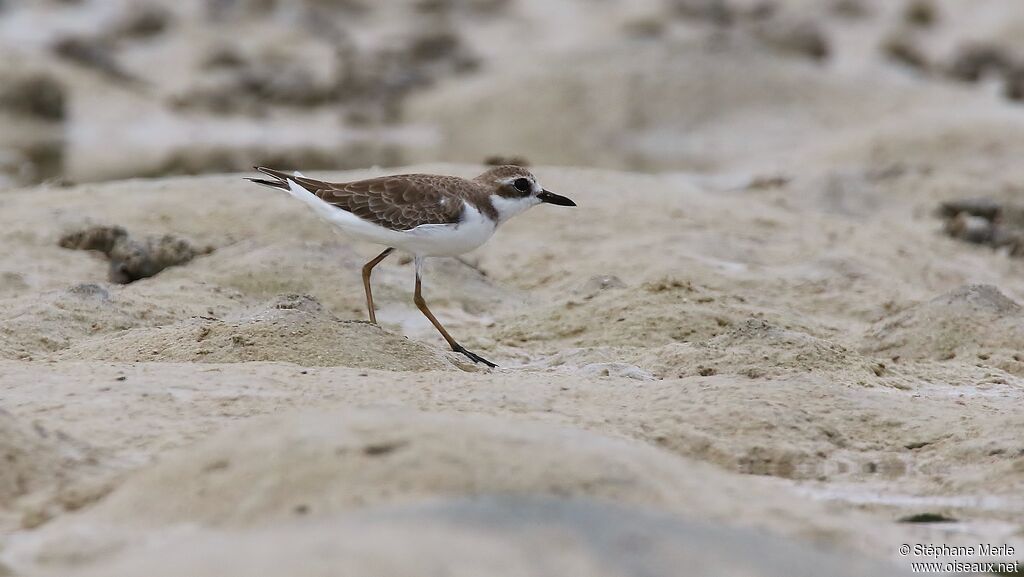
[(473, 356)]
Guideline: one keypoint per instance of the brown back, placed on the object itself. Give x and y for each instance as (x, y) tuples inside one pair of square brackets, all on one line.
[(397, 202)]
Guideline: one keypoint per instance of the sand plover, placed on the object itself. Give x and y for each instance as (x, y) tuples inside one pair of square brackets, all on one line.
[(422, 214)]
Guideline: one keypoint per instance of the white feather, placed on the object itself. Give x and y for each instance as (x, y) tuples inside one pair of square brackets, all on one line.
[(509, 207)]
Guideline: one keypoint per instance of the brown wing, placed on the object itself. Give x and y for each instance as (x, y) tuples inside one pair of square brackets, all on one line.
[(395, 202)]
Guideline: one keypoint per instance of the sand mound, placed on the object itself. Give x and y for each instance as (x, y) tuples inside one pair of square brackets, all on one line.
[(755, 349), (329, 271), (975, 322), (505, 536), (315, 464), (34, 459), (292, 328), (34, 325), (655, 314), (311, 467)]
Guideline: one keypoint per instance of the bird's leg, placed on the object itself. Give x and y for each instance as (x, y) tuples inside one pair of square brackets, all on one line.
[(367, 269), (422, 305)]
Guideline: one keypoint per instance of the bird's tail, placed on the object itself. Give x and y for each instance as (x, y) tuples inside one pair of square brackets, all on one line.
[(297, 185), (280, 181)]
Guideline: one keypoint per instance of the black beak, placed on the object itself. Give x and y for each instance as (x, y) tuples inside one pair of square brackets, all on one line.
[(552, 198)]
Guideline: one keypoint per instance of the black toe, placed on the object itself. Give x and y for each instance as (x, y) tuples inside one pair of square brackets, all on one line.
[(474, 357)]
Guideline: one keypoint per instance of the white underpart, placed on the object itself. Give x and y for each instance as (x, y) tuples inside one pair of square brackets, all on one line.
[(424, 240)]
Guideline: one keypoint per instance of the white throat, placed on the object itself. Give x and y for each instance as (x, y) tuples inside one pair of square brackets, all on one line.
[(509, 207)]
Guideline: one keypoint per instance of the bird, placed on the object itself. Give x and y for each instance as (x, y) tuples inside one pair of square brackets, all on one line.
[(425, 215)]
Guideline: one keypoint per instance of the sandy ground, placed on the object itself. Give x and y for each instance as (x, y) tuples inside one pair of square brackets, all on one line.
[(746, 357), (750, 350)]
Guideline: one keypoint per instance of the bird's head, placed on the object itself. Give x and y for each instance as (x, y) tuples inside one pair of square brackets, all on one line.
[(515, 189)]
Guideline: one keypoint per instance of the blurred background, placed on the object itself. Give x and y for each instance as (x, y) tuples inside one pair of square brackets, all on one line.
[(94, 90)]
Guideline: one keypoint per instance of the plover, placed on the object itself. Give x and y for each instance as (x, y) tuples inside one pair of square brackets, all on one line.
[(421, 214)]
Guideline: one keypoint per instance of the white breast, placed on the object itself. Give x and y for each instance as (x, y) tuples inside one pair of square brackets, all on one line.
[(450, 239)]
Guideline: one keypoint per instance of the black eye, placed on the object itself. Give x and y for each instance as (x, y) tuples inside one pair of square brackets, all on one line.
[(522, 185)]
